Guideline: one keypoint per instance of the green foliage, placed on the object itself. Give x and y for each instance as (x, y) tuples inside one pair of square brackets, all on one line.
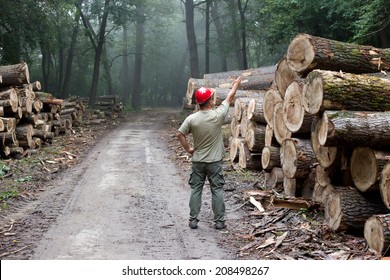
[(4, 169)]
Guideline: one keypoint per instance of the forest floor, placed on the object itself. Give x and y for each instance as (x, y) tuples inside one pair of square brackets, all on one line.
[(277, 233)]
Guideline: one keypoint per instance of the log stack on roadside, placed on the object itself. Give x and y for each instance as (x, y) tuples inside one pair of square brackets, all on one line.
[(337, 101), (29, 117), (321, 130)]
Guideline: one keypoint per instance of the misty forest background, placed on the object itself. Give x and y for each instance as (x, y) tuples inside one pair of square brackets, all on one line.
[(144, 51)]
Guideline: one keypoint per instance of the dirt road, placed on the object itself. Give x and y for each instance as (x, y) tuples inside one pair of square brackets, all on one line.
[(129, 201)]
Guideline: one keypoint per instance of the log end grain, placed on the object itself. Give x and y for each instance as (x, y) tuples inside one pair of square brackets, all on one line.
[(300, 53), (289, 158), (325, 155), (333, 211), (373, 233), (384, 185), (313, 93), (293, 108), (281, 132), (363, 168), (284, 76), (271, 98)]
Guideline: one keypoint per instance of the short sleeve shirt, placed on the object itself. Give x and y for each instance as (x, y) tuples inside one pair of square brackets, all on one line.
[(206, 129)]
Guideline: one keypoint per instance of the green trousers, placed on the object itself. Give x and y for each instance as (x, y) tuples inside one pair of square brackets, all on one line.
[(213, 172)]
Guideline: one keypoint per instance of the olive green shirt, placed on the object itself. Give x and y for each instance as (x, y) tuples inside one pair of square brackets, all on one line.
[(206, 129)]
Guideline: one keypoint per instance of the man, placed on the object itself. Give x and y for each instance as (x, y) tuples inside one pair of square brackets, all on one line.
[(207, 153)]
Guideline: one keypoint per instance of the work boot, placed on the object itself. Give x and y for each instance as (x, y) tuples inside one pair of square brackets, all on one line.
[(220, 225), (193, 224)]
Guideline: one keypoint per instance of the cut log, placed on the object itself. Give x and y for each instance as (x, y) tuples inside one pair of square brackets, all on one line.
[(281, 132), (297, 158), (234, 149), (15, 75), (240, 105), (368, 129), (384, 185), (347, 209), (284, 76), (9, 98), (261, 71), (8, 138), (271, 98), (289, 186), (293, 107), (24, 135), (247, 159), (255, 110), (377, 233), (366, 166), (220, 95), (9, 124), (244, 125), (275, 179), (325, 155), (270, 158), (36, 86), (321, 192), (327, 90), (255, 138), (269, 137), (2, 126), (306, 53)]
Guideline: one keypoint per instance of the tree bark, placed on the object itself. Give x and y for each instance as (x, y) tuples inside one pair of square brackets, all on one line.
[(191, 38), (307, 52), (357, 128), (297, 158), (347, 209), (377, 233), (15, 75), (327, 90), (275, 179)]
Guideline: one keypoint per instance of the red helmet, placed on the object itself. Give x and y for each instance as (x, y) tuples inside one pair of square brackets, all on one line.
[(202, 95)]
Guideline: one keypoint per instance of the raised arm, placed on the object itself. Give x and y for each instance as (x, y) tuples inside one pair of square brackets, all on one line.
[(232, 92)]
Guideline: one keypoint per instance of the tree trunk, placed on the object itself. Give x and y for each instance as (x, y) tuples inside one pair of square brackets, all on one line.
[(368, 129), (191, 38), (307, 52), (220, 95), (242, 25), (15, 75), (220, 34), (366, 166), (297, 157), (140, 41), (377, 233), (241, 105), (125, 67), (326, 90), (98, 53), (347, 209)]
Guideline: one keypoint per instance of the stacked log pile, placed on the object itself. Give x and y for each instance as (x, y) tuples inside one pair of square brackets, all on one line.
[(321, 129), (331, 117), (29, 117)]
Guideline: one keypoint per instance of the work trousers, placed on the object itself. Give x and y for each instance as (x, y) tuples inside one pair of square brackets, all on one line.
[(213, 172)]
